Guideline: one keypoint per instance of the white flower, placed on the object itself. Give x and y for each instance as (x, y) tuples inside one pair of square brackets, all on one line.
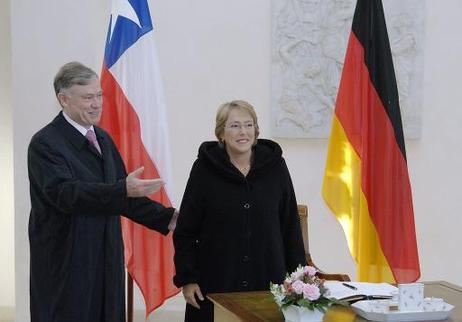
[(278, 293), (298, 274)]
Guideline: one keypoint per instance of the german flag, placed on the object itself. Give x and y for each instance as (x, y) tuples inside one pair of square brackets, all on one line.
[(366, 181)]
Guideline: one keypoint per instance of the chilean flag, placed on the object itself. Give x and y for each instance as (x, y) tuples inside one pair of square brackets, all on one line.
[(135, 116)]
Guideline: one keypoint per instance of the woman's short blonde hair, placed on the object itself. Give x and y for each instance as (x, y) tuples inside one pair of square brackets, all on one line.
[(223, 114)]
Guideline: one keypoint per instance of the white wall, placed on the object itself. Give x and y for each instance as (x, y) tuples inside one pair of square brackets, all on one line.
[(6, 163), (216, 50), (435, 161)]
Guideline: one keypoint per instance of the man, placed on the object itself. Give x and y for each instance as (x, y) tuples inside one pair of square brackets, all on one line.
[(78, 189)]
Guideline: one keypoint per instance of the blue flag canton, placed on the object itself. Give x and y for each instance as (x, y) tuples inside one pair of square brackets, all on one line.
[(126, 31)]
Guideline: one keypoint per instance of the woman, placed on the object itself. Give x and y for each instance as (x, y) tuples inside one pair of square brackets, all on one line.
[(239, 228)]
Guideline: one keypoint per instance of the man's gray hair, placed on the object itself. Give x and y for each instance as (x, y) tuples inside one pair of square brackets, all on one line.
[(73, 73)]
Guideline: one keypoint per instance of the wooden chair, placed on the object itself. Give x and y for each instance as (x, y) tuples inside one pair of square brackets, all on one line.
[(303, 215)]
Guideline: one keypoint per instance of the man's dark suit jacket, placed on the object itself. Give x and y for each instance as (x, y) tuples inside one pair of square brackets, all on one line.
[(76, 248)]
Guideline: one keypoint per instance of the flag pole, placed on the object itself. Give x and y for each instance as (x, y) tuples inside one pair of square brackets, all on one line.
[(129, 298)]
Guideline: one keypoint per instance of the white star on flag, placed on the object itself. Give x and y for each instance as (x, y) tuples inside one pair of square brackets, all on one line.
[(123, 8)]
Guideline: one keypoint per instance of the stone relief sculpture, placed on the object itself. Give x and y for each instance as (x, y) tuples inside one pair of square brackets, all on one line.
[(404, 49), (309, 43)]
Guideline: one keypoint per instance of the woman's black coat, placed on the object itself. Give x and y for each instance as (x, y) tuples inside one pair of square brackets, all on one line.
[(237, 233)]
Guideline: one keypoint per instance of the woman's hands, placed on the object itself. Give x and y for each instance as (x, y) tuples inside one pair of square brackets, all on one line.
[(190, 291)]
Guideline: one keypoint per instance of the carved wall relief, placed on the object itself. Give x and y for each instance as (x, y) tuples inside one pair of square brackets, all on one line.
[(308, 48)]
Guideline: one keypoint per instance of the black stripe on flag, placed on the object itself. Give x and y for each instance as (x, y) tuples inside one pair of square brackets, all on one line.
[(371, 31)]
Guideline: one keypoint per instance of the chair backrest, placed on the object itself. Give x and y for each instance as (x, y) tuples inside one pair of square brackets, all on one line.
[(303, 216)]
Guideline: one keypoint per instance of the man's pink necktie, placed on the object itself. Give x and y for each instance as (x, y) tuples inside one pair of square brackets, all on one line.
[(91, 136)]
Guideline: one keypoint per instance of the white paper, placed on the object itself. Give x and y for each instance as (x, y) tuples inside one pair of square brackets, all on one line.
[(339, 291)]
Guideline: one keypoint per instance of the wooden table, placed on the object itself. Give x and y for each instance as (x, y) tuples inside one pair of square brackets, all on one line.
[(259, 306)]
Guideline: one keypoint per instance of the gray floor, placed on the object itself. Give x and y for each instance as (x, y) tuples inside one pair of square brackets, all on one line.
[(7, 315), (171, 311), (161, 316)]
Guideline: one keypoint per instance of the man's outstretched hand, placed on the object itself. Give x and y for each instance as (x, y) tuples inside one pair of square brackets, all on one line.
[(137, 187)]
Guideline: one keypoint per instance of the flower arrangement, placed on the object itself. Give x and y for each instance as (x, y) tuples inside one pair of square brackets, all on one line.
[(302, 288)]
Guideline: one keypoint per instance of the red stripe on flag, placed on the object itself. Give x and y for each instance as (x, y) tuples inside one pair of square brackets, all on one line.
[(148, 254), (385, 179), (121, 121)]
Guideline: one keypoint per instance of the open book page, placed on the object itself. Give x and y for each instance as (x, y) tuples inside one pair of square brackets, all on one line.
[(339, 291)]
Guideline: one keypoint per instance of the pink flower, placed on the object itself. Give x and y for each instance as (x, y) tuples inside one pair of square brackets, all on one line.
[(310, 292), (310, 270), (298, 286)]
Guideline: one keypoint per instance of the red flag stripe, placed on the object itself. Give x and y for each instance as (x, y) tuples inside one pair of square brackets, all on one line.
[(126, 132)]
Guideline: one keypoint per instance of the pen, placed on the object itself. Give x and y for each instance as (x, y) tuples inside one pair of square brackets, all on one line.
[(349, 286)]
